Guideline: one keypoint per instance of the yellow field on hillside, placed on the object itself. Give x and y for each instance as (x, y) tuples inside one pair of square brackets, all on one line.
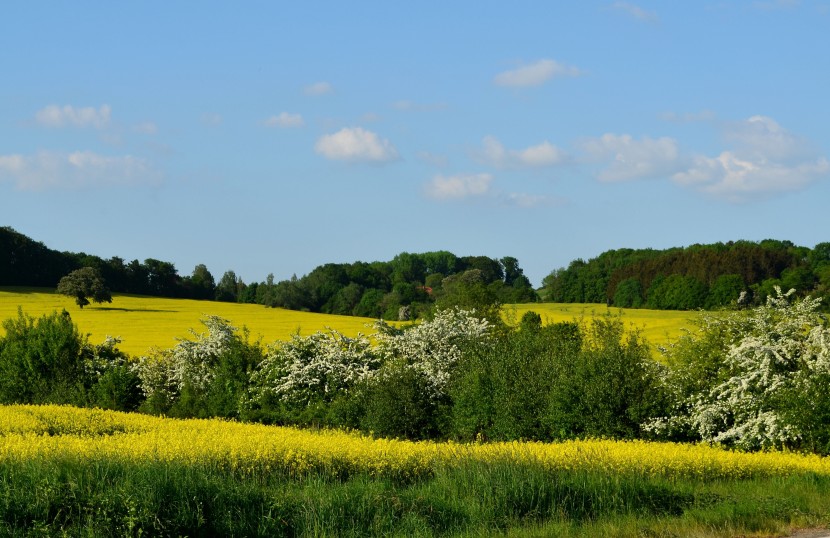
[(144, 322)]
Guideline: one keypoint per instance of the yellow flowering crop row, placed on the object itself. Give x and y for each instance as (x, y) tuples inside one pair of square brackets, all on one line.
[(38, 433)]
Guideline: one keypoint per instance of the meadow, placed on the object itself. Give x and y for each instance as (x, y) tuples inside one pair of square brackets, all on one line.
[(93, 472), (144, 322)]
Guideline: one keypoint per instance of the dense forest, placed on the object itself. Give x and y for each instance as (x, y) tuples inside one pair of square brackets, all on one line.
[(403, 288), (698, 276)]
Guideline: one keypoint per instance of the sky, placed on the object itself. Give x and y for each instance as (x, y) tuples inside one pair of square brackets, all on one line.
[(274, 137)]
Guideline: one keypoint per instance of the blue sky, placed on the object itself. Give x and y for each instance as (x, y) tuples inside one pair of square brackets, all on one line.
[(275, 137)]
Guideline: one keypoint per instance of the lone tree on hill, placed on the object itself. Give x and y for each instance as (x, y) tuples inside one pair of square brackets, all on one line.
[(85, 284)]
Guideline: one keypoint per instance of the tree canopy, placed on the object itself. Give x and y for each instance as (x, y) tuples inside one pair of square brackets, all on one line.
[(83, 285)]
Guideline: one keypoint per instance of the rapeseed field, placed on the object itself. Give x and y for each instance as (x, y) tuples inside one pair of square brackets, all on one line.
[(40, 433), (145, 322)]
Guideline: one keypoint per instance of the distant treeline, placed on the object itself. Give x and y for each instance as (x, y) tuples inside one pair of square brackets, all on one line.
[(406, 286), (698, 276)]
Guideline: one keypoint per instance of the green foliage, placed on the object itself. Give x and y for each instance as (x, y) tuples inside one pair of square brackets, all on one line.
[(502, 391), (47, 360), (676, 292), (41, 360), (398, 403), (629, 294), (757, 265), (85, 285), (610, 389), (725, 291)]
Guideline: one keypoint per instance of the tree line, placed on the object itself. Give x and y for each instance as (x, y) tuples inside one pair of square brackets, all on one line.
[(698, 276), (406, 287)]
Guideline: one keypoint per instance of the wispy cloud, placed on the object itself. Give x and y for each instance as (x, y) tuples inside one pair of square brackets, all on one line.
[(627, 158), (212, 119), (764, 158), (147, 127), (526, 201), (433, 159), (68, 115), (495, 154), (319, 88), (78, 170), (688, 117), (636, 11), (535, 74), (458, 187), (285, 120), (356, 145)]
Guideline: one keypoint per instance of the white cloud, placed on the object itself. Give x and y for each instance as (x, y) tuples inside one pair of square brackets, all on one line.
[(765, 159), (81, 169), (459, 186), (319, 88), (495, 154), (636, 11), (535, 74), (284, 119), (67, 115), (356, 144), (525, 200), (629, 159), (147, 127)]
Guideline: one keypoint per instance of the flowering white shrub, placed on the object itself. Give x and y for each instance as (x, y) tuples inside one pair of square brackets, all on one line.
[(433, 347), (165, 372), (324, 364), (772, 349), (314, 367)]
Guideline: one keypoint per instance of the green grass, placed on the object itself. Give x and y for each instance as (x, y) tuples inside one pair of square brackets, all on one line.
[(144, 322), (77, 497)]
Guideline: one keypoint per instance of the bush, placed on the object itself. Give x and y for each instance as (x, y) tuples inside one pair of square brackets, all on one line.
[(204, 377), (762, 382), (610, 390), (41, 360), (502, 391)]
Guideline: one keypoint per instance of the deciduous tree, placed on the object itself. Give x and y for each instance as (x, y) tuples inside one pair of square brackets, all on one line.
[(85, 284)]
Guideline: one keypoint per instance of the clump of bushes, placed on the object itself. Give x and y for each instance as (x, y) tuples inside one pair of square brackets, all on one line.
[(48, 360)]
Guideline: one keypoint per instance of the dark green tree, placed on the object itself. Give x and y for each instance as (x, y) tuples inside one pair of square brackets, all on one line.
[(83, 285), (227, 289)]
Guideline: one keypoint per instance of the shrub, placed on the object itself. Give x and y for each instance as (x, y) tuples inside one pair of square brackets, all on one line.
[(41, 360), (765, 378), (611, 388), (206, 376)]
